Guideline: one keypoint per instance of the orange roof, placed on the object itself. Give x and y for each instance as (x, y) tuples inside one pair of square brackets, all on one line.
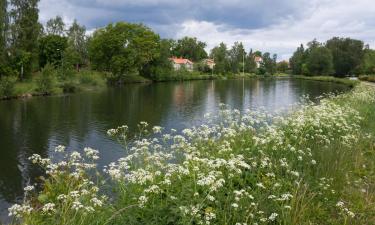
[(181, 60)]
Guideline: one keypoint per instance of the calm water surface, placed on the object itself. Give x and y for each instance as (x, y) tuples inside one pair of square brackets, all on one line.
[(37, 125)]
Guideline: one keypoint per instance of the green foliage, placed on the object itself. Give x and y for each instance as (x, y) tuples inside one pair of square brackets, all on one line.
[(347, 55), (25, 30), (51, 50), (123, 48), (282, 66), (268, 65), (237, 56), (47, 80), (297, 60), (319, 61), (77, 44), (368, 63), (190, 48), (7, 84), (220, 56), (250, 65), (55, 26)]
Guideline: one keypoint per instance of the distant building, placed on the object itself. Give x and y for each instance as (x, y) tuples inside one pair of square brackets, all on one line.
[(210, 63), (258, 61), (179, 63)]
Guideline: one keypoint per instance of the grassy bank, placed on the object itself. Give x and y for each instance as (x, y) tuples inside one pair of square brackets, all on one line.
[(345, 81), (35, 86), (369, 78), (315, 166)]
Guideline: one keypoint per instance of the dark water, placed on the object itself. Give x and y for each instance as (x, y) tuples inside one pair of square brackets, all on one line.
[(37, 125)]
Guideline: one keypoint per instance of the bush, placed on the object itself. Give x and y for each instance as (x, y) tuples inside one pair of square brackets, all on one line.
[(86, 77), (47, 80), (369, 78), (7, 86)]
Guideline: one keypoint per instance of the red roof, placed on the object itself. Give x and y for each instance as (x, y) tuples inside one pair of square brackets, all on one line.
[(181, 60)]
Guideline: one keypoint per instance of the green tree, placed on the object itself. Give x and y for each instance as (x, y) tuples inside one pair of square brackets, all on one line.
[(77, 44), (161, 66), (297, 60), (3, 27), (282, 66), (190, 48), (51, 50), (220, 56), (25, 31), (250, 65), (319, 61), (269, 64), (347, 54), (123, 48), (55, 26), (237, 56), (368, 63)]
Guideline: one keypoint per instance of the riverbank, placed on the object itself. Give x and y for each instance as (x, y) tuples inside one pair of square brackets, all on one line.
[(345, 81), (368, 78), (314, 166), (92, 80)]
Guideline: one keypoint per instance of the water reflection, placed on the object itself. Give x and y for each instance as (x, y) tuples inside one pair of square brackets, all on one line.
[(37, 125)]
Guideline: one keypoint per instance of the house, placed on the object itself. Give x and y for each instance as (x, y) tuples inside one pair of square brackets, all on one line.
[(258, 61), (210, 63), (179, 63)]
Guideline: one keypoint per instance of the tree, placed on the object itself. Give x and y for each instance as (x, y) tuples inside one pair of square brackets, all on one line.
[(250, 64), (77, 44), (123, 48), (190, 48), (55, 26), (347, 54), (220, 56), (319, 61), (3, 27), (297, 60), (160, 66), (237, 57), (25, 31), (282, 66), (51, 50), (368, 63), (269, 64)]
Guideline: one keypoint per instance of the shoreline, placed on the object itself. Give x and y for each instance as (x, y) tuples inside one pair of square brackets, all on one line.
[(142, 80)]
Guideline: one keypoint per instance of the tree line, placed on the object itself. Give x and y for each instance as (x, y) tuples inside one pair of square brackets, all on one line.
[(121, 49), (338, 57)]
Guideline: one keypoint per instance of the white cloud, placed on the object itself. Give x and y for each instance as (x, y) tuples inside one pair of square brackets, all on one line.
[(350, 18), (276, 26)]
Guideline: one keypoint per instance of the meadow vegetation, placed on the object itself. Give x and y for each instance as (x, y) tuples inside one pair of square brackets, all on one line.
[(314, 166)]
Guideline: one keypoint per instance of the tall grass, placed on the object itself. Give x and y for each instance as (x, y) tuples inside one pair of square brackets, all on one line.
[(315, 166)]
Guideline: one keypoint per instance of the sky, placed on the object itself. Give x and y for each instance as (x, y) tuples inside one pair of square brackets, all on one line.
[(275, 26)]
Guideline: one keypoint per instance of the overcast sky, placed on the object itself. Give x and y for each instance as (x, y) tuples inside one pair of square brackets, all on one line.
[(276, 26)]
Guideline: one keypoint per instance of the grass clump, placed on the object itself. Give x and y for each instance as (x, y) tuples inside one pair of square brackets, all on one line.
[(315, 166), (369, 78)]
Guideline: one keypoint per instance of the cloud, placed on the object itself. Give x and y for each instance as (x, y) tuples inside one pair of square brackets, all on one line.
[(277, 26)]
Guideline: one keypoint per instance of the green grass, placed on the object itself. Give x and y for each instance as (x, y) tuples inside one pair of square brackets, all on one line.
[(345, 81), (314, 166)]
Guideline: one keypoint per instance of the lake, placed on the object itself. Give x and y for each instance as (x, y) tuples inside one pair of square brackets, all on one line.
[(39, 124)]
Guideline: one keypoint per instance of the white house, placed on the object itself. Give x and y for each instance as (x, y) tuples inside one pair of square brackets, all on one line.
[(258, 61), (179, 63)]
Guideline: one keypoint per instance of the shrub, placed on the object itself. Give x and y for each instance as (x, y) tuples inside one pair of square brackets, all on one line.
[(47, 80), (7, 85)]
